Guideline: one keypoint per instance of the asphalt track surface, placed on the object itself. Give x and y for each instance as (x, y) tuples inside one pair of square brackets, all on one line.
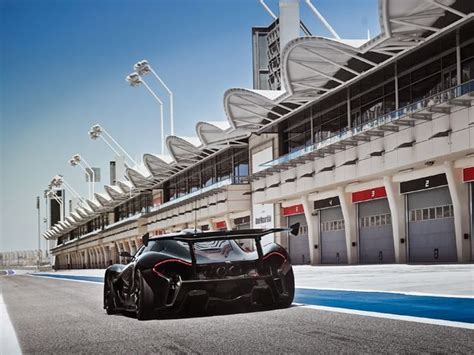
[(58, 316)]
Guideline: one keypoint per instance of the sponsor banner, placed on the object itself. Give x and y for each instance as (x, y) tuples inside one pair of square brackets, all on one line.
[(327, 203), (425, 183), (292, 210), (263, 217), (370, 194), (242, 220), (468, 174), (220, 225)]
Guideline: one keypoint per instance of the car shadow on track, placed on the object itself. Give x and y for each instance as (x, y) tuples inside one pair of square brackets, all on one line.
[(218, 311)]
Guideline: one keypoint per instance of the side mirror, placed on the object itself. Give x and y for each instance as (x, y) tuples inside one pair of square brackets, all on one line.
[(125, 254), (145, 239), (295, 229)]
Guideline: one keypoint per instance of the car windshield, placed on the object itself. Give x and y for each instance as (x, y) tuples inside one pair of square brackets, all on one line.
[(206, 252)]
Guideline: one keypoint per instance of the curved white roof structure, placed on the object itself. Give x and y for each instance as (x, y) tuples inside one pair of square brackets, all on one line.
[(115, 192), (312, 67)]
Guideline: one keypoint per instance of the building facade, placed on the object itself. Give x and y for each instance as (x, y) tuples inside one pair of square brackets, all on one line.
[(370, 146)]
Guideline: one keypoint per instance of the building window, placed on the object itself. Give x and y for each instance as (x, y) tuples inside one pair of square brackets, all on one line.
[(428, 213)]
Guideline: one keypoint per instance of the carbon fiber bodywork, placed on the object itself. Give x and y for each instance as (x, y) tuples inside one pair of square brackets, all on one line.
[(175, 276)]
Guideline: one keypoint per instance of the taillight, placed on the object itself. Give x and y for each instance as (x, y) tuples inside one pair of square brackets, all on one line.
[(168, 261), (275, 253)]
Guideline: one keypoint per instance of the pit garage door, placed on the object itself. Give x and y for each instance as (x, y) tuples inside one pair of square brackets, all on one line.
[(299, 245), (431, 235), (471, 188), (333, 236), (375, 232)]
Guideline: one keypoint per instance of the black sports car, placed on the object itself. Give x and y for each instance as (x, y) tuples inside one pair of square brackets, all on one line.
[(191, 271)]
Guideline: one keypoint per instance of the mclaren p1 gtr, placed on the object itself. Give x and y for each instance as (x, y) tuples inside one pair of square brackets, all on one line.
[(192, 270)]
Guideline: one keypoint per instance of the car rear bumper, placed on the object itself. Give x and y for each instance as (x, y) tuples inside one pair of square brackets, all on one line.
[(202, 294)]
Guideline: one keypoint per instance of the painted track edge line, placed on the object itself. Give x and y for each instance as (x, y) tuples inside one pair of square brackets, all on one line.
[(66, 279), (390, 316), (406, 293), (9, 343)]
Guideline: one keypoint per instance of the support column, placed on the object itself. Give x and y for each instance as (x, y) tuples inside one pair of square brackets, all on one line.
[(458, 59), (313, 231), (91, 258), (396, 202), (348, 212), (229, 223), (86, 258), (97, 258), (460, 197), (211, 225), (130, 247), (105, 250)]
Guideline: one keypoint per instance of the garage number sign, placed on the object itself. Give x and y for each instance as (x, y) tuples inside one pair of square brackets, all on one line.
[(425, 183)]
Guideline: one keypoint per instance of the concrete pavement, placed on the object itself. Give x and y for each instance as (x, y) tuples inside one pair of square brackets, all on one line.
[(56, 316)]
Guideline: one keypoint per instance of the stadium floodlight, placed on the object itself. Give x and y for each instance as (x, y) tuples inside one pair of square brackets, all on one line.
[(97, 131), (134, 79), (58, 181), (77, 160), (142, 68)]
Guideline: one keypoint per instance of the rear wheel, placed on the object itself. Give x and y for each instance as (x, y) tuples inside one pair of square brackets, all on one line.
[(109, 301), (144, 298), (288, 281)]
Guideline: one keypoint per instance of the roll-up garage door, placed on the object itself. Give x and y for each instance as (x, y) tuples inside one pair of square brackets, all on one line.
[(431, 236), (375, 232), (472, 218), (333, 236), (298, 245), (468, 177)]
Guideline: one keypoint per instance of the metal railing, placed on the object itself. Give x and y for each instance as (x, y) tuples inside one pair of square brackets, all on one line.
[(220, 184), (420, 105)]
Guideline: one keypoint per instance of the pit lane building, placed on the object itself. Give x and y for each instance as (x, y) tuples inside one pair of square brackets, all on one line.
[(368, 144)]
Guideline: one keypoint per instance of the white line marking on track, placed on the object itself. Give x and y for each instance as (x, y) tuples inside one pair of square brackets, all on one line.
[(381, 291), (391, 316), (8, 341), (66, 279)]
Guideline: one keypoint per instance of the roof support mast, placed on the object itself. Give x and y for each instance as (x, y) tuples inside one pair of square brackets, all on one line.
[(322, 19), (267, 9)]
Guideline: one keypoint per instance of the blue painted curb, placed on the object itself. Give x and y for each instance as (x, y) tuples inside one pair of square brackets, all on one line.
[(444, 308)]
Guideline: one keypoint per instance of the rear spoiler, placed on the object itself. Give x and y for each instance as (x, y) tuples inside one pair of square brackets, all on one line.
[(196, 237)]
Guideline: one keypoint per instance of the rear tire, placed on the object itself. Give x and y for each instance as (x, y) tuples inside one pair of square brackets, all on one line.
[(289, 284), (109, 300), (144, 298)]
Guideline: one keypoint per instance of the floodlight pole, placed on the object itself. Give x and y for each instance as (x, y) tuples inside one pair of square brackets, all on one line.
[(170, 93), (162, 128), (322, 19), (96, 132), (118, 145), (39, 231), (87, 173), (267, 9), (91, 172)]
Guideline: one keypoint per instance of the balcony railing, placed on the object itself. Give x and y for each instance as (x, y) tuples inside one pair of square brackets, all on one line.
[(218, 185), (392, 117)]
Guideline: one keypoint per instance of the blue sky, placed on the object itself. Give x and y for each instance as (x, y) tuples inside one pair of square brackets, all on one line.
[(63, 65)]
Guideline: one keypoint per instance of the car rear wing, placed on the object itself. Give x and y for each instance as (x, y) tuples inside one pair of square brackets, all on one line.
[(192, 237)]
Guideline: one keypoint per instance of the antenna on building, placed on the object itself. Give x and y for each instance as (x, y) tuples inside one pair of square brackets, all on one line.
[(267, 9), (322, 19)]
